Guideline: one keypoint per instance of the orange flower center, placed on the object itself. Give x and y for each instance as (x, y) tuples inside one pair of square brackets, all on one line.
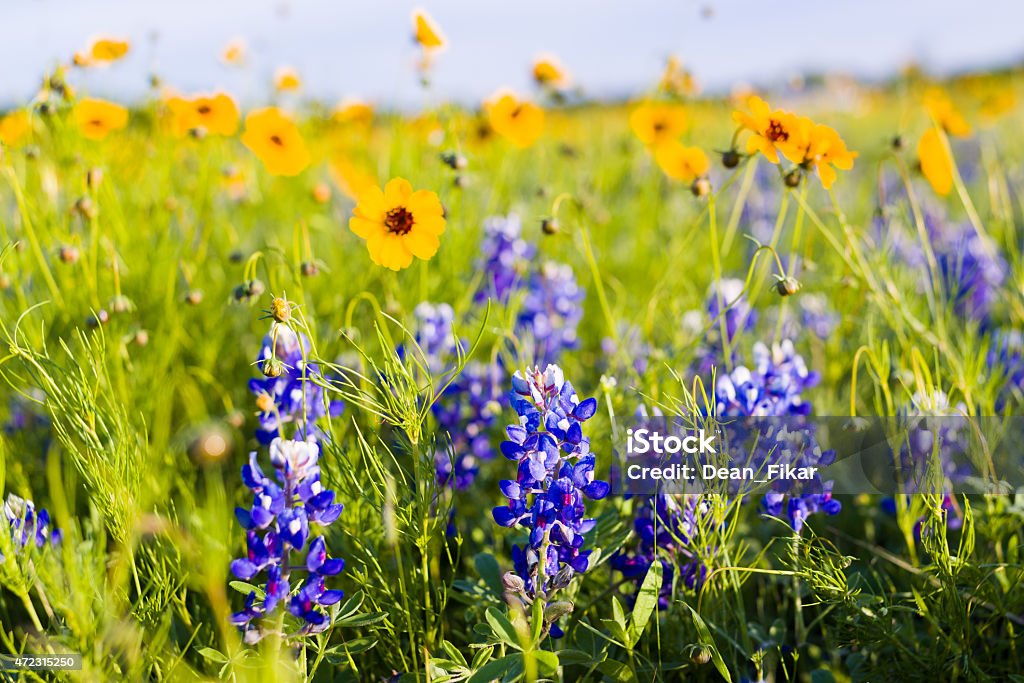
[(776, 132), (399, 221)]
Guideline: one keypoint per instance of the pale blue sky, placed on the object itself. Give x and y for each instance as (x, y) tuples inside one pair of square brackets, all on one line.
[(343, 47)]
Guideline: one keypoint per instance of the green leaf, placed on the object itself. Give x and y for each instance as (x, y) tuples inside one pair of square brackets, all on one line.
[(361, 619), (646, 602), (482, 655), (246, 588), (617, 671), (705, 638), (453, 652), (490, 571), (340, 652), (547, 662), (822, 676), (503, 628), (213, 655), (496, 669)]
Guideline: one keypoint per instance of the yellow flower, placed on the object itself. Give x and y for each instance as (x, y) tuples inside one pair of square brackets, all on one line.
[(398, 223), (942, 111), (821, 149), (352, 180), (519, 121), (426, 31), (548, 72), (353, 111), (936, 162), (14, 127), (216, 114), (102, 51), (772, 129), (998, 103), (677, 80), (276, 140), (234, 52), (96, 118), (680, 162), (655, 124), (286, 79)]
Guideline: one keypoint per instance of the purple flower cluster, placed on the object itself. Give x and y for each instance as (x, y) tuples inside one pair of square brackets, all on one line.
[(287, 397), (507, 258), (29, 525), (773, 388), (551, 311), (666, 523), (278, 529), (972, 277), (555, 472), (552, 300)]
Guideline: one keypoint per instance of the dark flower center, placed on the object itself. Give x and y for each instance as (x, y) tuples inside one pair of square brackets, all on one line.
[(660, 126), (276, 139), (517, 111), (776, 132), (399, 221), (203, 109)]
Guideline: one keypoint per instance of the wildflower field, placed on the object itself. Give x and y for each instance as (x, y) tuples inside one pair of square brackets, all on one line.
[(300, 392)]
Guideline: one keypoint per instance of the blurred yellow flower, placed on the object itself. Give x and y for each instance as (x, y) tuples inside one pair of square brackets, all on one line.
[(677, 80), (353, 111), (519, 121), (286, 79), (998, 103), (817, 147), (548, 72), (103, 50), (14, 127), (945, 114), (398, 223), (352, 180), (234, 52), (215, 114), (656, 123), (276, 140), (936, 162), (426, 31), (772, 129), (680, 162), (96, 118)]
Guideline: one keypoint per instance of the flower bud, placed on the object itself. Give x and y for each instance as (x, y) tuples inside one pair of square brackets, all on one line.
[(194, 297), (68, 254), (562, 578), (280, 309), (454, 161), (321, 193), (85, 208), (787, 286), (730, 158), (460, 181), (512, 583), (792, 179), (701, 187), (5, 281), (101, 317), (93, 178), (550, 226), (141, 337), (897, 143), (309, 268), (272, 367), (556, 610), (210, 446), (197, 133), (700, 655)]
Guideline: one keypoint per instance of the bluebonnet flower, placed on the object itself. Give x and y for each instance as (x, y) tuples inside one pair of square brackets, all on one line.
[(1005, 359), (773, 388), (555, 472), (739, 318), (669, 524), (507, 257), (277, 530), (29, 525), (286, 396), (434, 333), (551, 310)]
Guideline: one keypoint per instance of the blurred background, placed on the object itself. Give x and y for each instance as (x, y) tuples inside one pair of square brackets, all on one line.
[(612, 48)]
